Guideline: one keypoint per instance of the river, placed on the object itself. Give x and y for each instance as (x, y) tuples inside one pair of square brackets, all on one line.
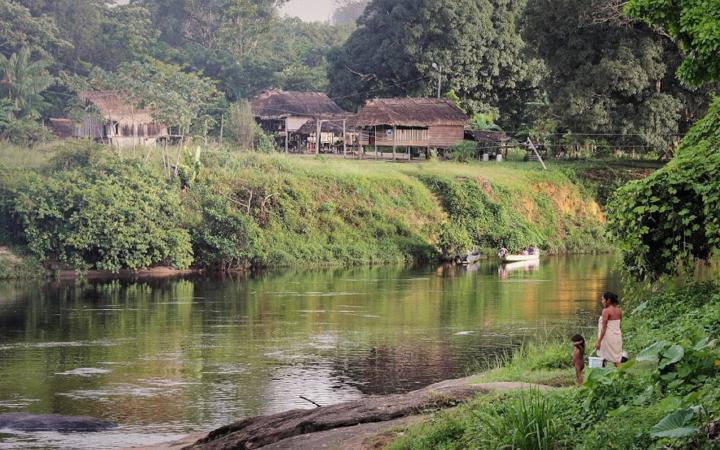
[(165, 358)]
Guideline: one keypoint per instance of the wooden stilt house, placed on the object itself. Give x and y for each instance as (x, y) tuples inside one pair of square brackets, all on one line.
[(115, 121), (283, 113), (411, 123)]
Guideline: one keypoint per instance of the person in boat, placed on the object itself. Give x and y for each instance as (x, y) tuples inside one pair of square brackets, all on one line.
[(503, 252), (531, 250), (610, 344)]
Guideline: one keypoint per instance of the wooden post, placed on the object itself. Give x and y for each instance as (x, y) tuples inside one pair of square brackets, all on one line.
[(394, 141), (532, 146), (317, 136), (287, 136), (375, 139), (222, 127), (344, 139)]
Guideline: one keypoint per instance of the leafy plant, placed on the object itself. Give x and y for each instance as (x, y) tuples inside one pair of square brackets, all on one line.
[(675, 425), (524, 421), (109, 215)]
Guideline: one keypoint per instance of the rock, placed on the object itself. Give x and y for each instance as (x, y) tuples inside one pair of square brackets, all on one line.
[(263, 431), (53, 422)]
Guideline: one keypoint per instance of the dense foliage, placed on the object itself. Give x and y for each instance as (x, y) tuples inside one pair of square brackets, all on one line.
[(100, 214), (90, 208), (694, 25), (475, 48), (666, 221), (611, 80)]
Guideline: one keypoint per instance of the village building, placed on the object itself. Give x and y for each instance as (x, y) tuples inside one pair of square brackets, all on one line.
[(491, 143), (413, 123), (117, 122), (286, 115)]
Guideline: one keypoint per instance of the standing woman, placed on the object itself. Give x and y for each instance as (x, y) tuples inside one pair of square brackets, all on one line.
[(610, 344)]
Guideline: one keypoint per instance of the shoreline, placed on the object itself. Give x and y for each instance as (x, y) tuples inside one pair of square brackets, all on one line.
[(361, 424), (41, 271)]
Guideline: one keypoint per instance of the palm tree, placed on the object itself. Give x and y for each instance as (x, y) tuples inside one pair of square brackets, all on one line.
[(22, 82)]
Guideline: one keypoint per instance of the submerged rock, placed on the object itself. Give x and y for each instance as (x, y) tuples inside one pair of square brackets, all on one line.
[(53, 422)]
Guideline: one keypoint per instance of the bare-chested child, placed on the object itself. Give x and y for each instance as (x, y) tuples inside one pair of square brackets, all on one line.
[(578, 356)]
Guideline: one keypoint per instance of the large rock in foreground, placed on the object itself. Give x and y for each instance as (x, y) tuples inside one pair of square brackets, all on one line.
[(53, 422), (263, 431)]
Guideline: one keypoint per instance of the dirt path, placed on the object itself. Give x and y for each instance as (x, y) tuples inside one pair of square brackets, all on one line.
[(367, 423)]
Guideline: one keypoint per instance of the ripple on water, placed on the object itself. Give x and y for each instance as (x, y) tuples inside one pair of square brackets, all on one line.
[(84, 372), (146, 388)]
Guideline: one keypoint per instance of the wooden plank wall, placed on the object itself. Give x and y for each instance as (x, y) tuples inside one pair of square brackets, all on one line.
[(446, 136)]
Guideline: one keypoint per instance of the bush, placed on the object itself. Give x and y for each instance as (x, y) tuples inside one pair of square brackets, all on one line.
[(525, 420), (108, 215), (464, 151), (664, 222)]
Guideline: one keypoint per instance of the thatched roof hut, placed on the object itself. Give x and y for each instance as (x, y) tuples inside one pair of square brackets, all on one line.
[(277, 104), (119, 122), (411, 122), (112, 106)]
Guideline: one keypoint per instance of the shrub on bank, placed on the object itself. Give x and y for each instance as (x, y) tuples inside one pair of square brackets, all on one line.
[(91, 208), (102, 214)]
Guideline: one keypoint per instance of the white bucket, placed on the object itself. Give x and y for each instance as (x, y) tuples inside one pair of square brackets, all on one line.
[(595, 362)]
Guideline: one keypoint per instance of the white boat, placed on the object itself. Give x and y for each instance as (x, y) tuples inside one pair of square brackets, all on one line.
[(527, 266), (519, 258)]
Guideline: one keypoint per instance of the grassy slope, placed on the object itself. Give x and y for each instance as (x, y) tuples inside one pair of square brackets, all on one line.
[(316, 211), (364, 211)]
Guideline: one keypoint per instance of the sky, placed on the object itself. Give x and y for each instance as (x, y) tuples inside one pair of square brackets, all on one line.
[(310, 10)]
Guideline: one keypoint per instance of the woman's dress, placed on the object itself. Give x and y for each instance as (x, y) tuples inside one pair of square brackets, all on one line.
[(611, 347)]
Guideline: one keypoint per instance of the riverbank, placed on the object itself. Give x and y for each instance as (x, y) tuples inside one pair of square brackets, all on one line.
[(666, 396), (87, 208)]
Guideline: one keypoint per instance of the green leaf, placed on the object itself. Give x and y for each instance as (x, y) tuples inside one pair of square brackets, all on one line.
[(674, 425), (671, 356), (651, 353)]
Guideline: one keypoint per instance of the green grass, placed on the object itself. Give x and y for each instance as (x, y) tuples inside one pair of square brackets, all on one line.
[(281, 210)]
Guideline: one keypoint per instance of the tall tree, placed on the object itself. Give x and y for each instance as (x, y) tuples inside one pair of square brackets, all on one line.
[(609, 74), (695, 25), (402, 47), (20, 29), (22, 83)]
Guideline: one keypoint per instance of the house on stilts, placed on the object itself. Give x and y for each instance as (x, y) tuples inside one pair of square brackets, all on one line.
[(292, 117), (415, 124), (111, 119)]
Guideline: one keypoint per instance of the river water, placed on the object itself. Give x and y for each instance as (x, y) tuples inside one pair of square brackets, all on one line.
[(165, 358)]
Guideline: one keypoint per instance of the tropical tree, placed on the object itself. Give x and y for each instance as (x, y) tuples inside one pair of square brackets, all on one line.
[(610, 74), (695, 26), (404, 47), (20, 29), (673, 217), (23, 82), (347, 12)]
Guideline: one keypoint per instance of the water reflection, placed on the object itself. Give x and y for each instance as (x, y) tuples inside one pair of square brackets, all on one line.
[(164, 358)]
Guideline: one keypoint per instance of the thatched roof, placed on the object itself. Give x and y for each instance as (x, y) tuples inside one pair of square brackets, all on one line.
[(275, 104), (113, 106), (489, 136), (310, 127), (410, 112)]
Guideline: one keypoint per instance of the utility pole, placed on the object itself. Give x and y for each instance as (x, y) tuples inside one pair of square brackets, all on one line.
[(439, 83)]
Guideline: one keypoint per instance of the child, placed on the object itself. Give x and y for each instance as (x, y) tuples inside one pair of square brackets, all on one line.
[(578, 356)]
